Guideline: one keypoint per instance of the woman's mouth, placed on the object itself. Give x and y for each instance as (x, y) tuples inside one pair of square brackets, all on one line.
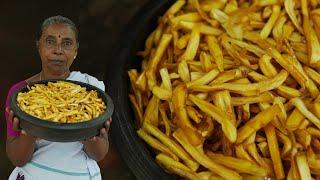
[(57, 62)]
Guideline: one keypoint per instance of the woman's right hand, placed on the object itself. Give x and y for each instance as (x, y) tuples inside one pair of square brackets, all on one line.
[(16, 124), (13, 120), (19, 148)]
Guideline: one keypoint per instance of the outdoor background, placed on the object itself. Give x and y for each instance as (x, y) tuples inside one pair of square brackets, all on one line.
[(100, 23)]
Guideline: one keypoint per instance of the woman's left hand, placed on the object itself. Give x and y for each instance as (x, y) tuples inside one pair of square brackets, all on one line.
[(103, 133)]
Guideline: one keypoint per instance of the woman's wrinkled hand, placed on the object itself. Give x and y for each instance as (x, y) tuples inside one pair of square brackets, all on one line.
[(103, 133), (16, 125)]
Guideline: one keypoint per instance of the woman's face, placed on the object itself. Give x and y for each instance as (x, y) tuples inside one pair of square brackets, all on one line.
[(57, 48)]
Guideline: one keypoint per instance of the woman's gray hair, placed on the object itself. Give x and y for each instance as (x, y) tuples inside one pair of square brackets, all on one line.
[(58, 20)]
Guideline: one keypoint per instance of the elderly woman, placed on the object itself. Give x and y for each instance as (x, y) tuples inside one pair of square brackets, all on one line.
[(40, 159)]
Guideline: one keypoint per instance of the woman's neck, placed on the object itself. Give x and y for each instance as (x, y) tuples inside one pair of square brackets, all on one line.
[(46, 75)]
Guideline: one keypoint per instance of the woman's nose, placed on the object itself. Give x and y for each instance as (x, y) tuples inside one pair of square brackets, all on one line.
[(58, 50)]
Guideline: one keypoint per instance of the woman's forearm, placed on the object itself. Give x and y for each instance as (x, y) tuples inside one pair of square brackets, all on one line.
[(97, 149), (20, 149)]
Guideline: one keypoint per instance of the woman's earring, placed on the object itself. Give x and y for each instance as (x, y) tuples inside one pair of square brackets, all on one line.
[(74, 57)]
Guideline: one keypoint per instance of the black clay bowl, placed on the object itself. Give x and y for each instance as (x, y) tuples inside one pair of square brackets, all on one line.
[(62, 132), (134, 151)]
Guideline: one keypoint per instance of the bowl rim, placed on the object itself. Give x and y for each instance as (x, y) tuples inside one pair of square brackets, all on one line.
[(134, 151), (23, 116)]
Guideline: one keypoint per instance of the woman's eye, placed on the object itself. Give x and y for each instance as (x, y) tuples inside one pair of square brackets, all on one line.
[(67, 43), (50, 42)]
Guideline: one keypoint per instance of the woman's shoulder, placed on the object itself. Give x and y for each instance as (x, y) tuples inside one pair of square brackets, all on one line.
[(17, 85), (14, 88), (22, 83), (86, 78)]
